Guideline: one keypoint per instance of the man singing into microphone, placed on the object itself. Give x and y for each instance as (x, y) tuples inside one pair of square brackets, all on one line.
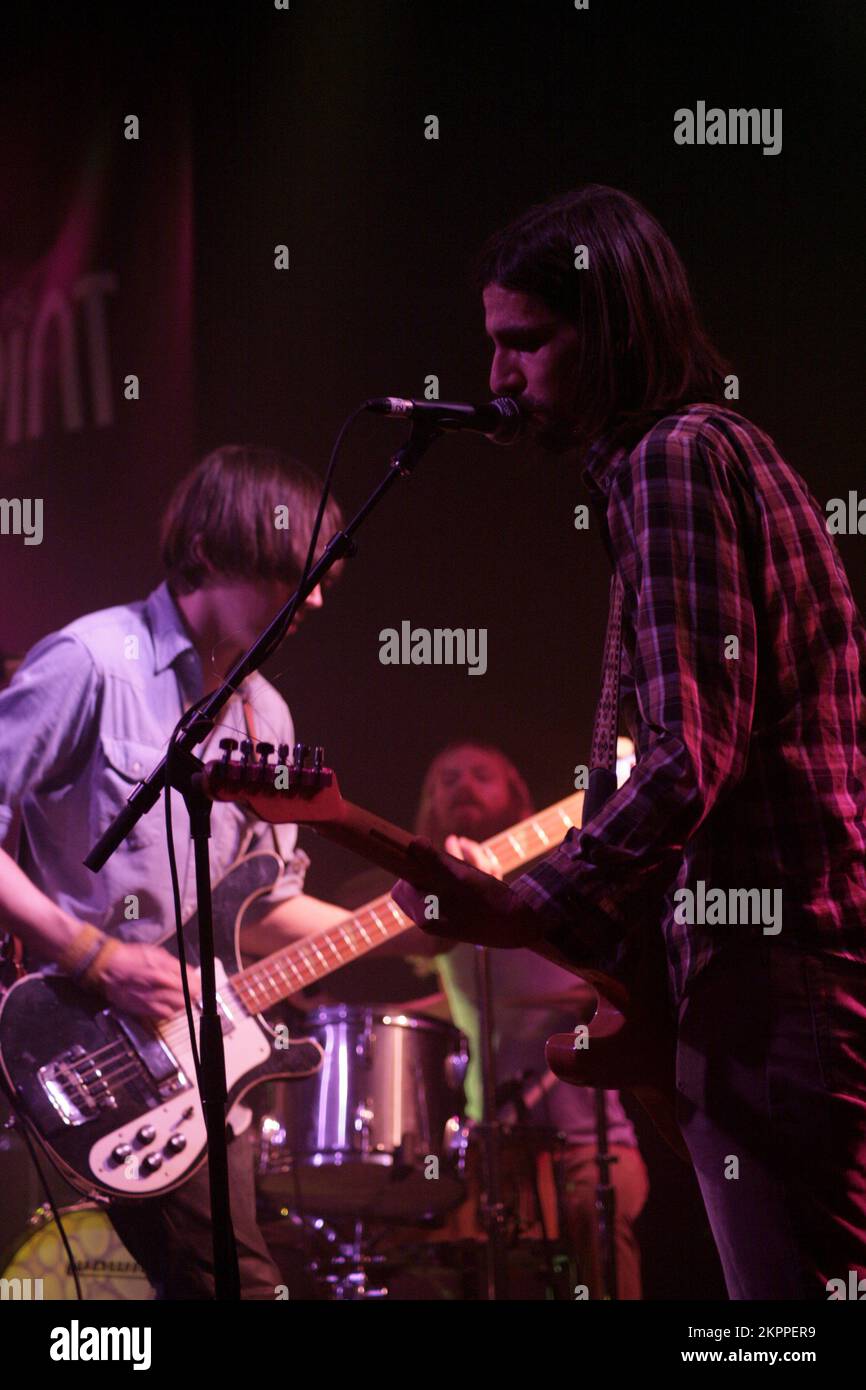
[(743, 678)]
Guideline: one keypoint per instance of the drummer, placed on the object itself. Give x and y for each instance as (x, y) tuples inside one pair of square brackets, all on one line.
[(470, 793)]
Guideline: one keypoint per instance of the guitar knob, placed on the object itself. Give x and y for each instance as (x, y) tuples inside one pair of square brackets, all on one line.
[(146, 1134), (150, 1163), (120, 1153), (176, 1144), (228, 745), (264, 750)]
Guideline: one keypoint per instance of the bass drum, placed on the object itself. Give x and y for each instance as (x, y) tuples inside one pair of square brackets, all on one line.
[(376, 1133), (106, 1270)]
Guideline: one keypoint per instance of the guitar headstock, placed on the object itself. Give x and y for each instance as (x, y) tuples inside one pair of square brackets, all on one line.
[(278, 787)]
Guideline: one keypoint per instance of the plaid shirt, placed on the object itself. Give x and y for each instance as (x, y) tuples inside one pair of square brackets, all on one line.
[(751, 770)]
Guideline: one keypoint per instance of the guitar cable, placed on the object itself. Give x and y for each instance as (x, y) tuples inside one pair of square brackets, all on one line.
[(24, 1131)]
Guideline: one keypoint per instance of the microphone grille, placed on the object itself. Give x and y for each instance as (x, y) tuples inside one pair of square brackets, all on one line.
[(513, 420)]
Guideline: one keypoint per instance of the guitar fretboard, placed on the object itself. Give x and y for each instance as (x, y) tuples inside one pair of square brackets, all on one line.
[(304, 962)]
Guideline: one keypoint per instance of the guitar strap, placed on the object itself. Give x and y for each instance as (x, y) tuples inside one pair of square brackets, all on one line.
[(602, 757), (250, 724), (602, 784)]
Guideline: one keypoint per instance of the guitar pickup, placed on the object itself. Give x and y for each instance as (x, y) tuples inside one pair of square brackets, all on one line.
[(159, 1063)]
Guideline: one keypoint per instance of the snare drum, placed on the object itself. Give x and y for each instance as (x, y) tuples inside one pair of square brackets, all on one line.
[(376, 1132), (106, 1270)]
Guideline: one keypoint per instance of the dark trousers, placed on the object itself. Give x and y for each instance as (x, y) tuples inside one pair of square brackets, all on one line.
[(171, 1236), (771, 1082)]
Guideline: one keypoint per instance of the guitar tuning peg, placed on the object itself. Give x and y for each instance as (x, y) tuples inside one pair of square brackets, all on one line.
[(228, 745), (264, 751), (283, 754), (246, 750), (299, 755), (318, 757)]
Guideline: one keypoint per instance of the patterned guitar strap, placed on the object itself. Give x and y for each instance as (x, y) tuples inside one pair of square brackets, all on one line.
[(249, 722), (602, 784), (602, 757)]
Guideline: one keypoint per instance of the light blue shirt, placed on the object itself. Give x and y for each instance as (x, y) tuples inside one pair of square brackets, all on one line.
[(87, 716)]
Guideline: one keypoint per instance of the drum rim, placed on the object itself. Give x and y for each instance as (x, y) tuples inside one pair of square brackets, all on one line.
[(43, 1216), (376, 1013)]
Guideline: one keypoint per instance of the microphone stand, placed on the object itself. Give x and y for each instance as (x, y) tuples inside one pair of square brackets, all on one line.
[(184, 776), (492, 1208), (605, 1200)]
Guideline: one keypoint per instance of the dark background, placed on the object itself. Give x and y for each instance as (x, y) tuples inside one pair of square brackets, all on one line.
[(308, 128)]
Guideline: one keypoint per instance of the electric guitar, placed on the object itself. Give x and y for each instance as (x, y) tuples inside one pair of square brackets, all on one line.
[(630, 1043), (113, 1099)]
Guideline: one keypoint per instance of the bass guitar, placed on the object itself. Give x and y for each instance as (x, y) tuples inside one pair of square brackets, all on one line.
[(113, 1099)]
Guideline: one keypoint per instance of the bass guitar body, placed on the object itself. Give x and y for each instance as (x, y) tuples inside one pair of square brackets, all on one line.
[(113, 1099)]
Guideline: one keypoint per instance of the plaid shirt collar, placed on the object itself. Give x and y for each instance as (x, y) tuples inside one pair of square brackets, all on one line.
[(615, 444)]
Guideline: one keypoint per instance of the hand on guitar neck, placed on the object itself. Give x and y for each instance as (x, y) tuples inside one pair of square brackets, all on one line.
[(471, 905)]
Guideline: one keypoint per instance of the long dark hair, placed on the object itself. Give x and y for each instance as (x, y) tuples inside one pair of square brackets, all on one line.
[(643, 351)]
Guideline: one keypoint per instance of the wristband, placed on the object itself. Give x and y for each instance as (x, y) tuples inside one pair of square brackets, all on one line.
[(92, 976), (81, 951)]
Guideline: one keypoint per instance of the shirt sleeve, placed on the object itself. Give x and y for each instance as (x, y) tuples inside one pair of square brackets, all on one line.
[(47, 721), (676, 517)]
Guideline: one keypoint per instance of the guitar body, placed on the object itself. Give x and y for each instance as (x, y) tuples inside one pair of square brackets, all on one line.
[(629, 1043), (112, 1099)]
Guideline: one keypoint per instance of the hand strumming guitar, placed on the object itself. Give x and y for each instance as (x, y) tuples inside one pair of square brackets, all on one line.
[(145, 981)]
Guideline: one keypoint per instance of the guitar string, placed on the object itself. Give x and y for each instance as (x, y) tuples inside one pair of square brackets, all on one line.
[(260, 972), (259, 976)]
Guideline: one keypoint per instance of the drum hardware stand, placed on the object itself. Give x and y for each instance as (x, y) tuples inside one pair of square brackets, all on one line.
[(492, 1207), (551, 1257), (605, 1200), (348, 1273)]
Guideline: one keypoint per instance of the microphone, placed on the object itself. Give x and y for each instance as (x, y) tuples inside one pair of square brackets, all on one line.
[(501, 419)]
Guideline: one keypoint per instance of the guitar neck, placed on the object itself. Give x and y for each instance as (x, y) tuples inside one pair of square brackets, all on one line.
[(305, 962)]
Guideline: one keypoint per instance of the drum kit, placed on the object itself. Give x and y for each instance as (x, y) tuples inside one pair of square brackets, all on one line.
[(371, 1177), (371, 1184)]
